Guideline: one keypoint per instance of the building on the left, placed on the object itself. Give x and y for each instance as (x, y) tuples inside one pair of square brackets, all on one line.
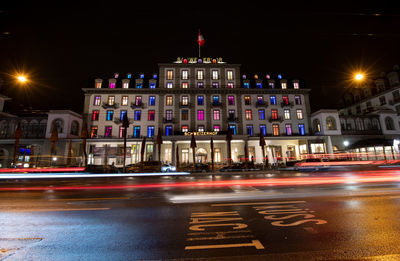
[(33, 146)]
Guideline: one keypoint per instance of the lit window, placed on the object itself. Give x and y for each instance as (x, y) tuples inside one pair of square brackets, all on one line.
[(299, 113), (287, 114), (152, 85), (263, 130), (275, 129), (248, 115), (169, 85), (273, 100), (200, 115), (231, 100), (185, 100), (93, 132), (215, 85), (168, 115), (302, 129), (247, 100), (230, 85), (138, 100), (296, 85), (108, 131), (152, 100), (200, 85), (229, 75), (110, 115), (285, 100), (288, 129), (200, 75), (111, 100), (200, 128), (232, 128), (297, 100), (200, 100), (138, 115), (139, 85), (271, 85), (124, 100), (185, 75), (185, 128), (95, 115), (170, 74), (98, 85), (152, 115), (216, 115), (217, 128), (136, 131), (184, 85), (260, 100), (125, 85), (215, 100), (150, 131), (112, 85), (231, 114), (261, 114), (284, 85), (97, 100), (168, 130), (215, 75), (169, 101), (246, 85), (274, 114), (249, 130), (121, 131), (122, 115), (259, 85)]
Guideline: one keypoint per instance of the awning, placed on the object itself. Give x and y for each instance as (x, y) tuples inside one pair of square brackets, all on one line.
[(370, 143)]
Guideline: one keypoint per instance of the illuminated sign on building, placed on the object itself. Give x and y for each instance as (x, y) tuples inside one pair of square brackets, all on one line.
[(201, 133), (198, 60)]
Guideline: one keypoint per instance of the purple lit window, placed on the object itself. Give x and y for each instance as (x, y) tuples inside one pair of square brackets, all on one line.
[(108, 131), (200, 115), (231, 100), (112, 85)]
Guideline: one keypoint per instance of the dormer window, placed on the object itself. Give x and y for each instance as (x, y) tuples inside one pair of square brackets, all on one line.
[(296, 85), (125, 85), (185, 74), (112, 85), (98, 85)]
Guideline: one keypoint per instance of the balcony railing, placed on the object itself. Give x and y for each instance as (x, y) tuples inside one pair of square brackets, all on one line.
[(361, 132), (168, 120), (216, 104), (275, 119), (287, 104), (233, 119), (261, 104), (106, 105), (184, 105), (140, 105)]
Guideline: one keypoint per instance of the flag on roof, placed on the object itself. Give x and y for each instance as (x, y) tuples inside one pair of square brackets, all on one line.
[(200, 39)]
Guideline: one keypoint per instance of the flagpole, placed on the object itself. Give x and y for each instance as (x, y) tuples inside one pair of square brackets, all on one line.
[(199, 51)]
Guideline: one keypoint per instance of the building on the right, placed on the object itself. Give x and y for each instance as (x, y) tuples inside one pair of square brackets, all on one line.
[(368, 125)]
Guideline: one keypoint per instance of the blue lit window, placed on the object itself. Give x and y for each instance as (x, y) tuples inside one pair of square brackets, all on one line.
[(302, 129), (122, 115), (259, 85), (261, 114), (246, 85), (129, 76), (154, 76), (150, 131), (249, 129), (138, 86), (141, 76), (200, 100), (215, 99), (152, 100), (152, 85), (138, 115), (136, 131), (263, 130), (110, 115), (233, 129), (168, 130), (273, 100)]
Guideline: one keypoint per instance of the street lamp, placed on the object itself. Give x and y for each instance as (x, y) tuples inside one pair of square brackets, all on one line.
[(21, 78), (359, 76)]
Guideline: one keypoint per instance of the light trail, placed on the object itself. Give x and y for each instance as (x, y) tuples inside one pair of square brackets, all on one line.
[(86, 175), (360, 177)]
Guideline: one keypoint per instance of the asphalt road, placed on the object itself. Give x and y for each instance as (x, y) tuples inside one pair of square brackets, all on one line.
[(235, 217)]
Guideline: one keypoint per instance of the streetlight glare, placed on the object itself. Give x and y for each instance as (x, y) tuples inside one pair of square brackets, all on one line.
[(359, 76), (22, 78)]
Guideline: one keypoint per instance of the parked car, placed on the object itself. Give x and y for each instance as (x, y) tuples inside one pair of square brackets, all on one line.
[(233, 167), (101, 169), (168, 168), (201, 167), (145, 166)]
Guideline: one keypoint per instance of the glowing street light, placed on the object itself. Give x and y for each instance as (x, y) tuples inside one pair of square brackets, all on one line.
[(359, 77), (22, 78)]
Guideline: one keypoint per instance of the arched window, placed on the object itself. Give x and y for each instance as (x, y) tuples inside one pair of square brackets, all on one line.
[(74, 128), (389, 123), (316, 126), (359, 124), (375, 124), (330, 123), (367, 124), (59, 124)]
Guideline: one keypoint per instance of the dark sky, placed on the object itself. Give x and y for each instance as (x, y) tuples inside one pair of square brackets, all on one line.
[(64, 46)]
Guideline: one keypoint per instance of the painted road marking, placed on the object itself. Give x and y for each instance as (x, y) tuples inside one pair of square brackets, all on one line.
[(255, 203), (254, 243), (85, 199)]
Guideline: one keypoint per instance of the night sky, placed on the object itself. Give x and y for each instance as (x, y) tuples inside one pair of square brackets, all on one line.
[(64, 47)]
